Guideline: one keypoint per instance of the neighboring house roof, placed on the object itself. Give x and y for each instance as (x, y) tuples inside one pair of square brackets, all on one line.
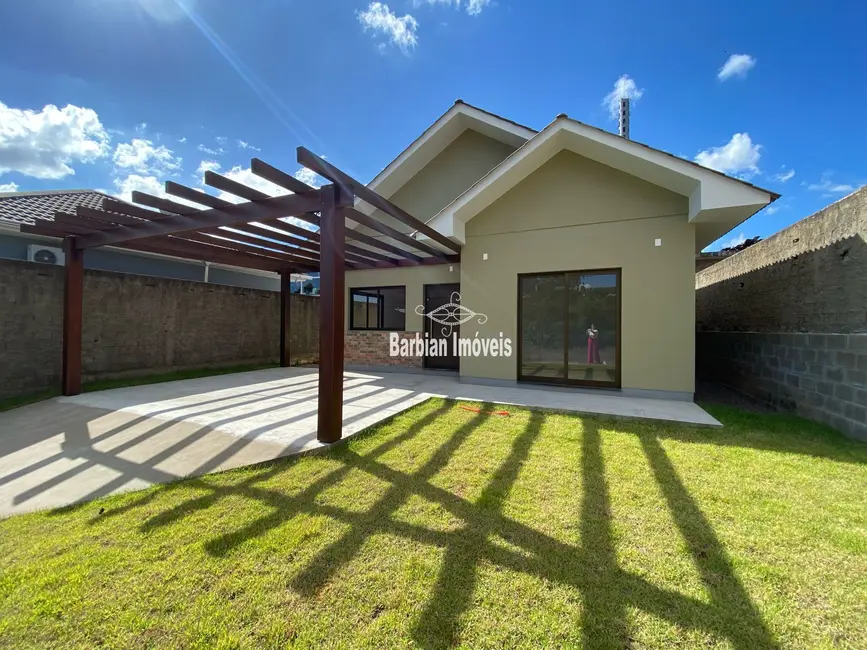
[(439, 135), (19, 208), (27, 207), (717, 202)]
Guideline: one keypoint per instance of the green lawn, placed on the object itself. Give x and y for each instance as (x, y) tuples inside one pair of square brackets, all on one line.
[(445, 527)]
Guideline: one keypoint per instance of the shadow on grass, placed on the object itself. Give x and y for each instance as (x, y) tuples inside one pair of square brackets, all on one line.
[(606, 590)]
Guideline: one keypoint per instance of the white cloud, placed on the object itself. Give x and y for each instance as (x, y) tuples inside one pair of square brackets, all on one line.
[(772, 209), (137, 182), (9, 187), (221, 139), (737, 66), (735, 241), (829, 187), (182, 140), (243, 144), (399, 31), (473, 7), (784, 176), (310, 177), (142, 156), (246, 177), (44, 144), (207, 166), (623, 87), (148, 184), (738, 156), (219, 151)]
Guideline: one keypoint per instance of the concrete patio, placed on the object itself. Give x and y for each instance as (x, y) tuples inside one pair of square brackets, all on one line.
[(72, 449)]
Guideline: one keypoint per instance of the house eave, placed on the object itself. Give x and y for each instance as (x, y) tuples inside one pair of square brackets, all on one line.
[(713, 197)]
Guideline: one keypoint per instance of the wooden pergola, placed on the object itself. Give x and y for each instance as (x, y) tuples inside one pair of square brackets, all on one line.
[(253, 234)]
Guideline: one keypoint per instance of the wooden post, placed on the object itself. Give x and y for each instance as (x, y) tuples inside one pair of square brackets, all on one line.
[(73, 305), (332, 281), (285, 310)]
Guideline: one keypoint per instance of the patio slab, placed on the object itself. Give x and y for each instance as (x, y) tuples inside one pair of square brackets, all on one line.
[(72, 449)]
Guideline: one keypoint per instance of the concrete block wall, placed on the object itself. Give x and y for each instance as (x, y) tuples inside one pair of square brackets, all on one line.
[(785, 320), (819, 376), (140, 325)]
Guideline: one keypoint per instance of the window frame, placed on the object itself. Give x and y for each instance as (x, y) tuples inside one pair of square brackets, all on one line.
[(354, 328), (566, 381)]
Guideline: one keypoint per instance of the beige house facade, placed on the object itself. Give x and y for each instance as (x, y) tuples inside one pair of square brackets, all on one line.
[(578, 247)]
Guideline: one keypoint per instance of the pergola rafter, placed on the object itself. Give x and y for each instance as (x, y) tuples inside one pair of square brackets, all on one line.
[(253, 233)]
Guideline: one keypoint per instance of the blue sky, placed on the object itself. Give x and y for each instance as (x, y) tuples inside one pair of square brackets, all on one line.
[(147, 90)]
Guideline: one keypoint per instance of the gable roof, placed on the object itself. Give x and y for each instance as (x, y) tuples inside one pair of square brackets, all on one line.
[(20, 208), (720, 201), (439, 135)]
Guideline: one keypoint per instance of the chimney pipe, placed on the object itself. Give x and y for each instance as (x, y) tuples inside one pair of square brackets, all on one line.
[(624, 117)]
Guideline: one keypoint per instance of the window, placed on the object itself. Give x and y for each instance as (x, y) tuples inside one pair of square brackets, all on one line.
[(569, 326), (377, 308)]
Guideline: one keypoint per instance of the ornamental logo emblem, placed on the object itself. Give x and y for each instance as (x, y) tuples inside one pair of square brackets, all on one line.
[(452, 314)]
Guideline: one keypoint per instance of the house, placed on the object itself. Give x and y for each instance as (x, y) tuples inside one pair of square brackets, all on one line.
[(18, 208), (578, 253)]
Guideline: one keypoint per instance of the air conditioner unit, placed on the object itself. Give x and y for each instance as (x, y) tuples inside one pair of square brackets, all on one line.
[(45, 254)]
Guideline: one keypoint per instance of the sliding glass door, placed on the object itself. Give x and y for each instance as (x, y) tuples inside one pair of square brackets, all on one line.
[(569, 326)]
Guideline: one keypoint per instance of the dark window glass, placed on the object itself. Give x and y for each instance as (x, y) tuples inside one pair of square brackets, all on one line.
[(570, 326), (543, 318), (377, 308)]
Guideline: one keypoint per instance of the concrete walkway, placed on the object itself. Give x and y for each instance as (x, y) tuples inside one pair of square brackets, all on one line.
[(72, 449)]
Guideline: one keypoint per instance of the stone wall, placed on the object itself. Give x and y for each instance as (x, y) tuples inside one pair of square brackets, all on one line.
[(786, 319), (370, 348), (139, 325)]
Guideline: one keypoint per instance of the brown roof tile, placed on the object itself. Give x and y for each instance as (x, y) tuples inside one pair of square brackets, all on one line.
[(28, 207)]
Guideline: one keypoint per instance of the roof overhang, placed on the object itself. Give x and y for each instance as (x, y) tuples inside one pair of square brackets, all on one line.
[(436, 138), (714, 198)]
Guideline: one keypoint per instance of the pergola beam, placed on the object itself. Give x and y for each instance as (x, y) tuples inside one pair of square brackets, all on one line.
[(388, 231), (278, 177), (98, 221), (171, 246), (270, 208), (385, 246), (292, 235), (252, 241), (220, 182), (322, 167)]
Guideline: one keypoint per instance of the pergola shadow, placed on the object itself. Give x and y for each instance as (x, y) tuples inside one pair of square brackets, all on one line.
[(261, 232), (590, 567), (80, 445)]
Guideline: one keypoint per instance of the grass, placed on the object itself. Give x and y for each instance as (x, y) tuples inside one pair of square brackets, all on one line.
[(445, 527), (106, 384)]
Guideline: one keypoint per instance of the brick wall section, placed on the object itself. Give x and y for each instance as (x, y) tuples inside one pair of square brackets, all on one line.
[(786, 319), (139, 325), (367, 348), (819, 376)]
